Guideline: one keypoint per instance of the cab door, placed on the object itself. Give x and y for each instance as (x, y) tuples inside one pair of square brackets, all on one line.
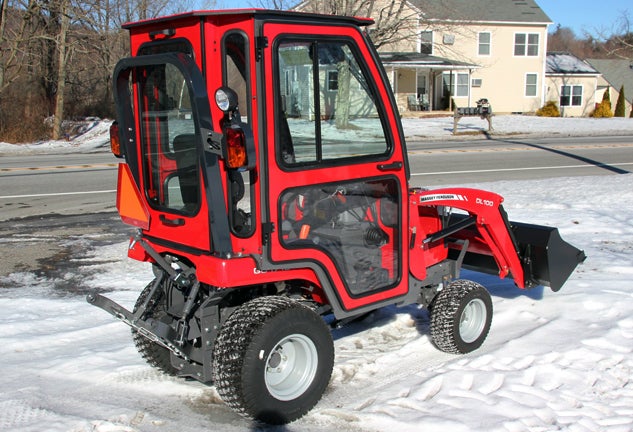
[(163, 106), (336, 172)]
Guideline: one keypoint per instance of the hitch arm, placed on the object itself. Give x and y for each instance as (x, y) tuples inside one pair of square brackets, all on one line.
[(152, 329)]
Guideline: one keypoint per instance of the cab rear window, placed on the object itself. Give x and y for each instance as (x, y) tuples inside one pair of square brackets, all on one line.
[(169, 151)]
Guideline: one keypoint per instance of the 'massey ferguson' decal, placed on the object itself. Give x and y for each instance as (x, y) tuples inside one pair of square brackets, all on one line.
[(443, 197)]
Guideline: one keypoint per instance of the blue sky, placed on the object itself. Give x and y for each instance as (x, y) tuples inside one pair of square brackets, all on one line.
[(593, 16)]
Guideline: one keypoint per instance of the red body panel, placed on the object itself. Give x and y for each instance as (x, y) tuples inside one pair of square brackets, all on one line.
[(493, 236)]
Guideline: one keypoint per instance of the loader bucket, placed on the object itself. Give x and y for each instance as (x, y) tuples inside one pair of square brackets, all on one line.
[(549, 260)]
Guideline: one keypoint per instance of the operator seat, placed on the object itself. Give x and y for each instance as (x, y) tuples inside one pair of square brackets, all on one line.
[(187, 169)]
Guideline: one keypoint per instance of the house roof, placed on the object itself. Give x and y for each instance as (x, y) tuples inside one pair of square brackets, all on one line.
[(422, 60), (617, 73), (512, 11), (567, 64)]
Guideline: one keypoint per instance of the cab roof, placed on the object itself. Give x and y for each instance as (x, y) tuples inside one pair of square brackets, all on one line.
[(277, 15)]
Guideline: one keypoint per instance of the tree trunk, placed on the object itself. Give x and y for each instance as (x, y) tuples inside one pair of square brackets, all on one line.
[(62, 48), (342, 105), (3, 17)]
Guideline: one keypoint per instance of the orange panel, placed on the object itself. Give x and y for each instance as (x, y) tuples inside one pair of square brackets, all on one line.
[(129, 201)]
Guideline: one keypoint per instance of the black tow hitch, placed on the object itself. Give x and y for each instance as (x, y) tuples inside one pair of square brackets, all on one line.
[(152, 329), (193, 345)]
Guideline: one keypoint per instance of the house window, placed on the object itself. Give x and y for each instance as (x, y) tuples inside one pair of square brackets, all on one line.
[(484, 44), (571, 95), (526, 44), (332, 80), (456, 83), (426, 42), (531, 84)]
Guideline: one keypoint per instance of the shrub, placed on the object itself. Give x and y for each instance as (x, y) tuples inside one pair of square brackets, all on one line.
[(22, 122), (603, 110), (550, 109), (620, 108)]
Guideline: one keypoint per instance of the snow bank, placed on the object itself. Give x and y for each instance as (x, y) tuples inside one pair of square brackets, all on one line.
[(434, 128), (89, 135), (552, 361)]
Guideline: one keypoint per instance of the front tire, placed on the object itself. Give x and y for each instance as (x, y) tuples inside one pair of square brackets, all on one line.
[(461, 315), (273, 360)]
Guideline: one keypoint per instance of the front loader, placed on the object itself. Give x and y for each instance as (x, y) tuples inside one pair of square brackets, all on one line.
[(264, 167)]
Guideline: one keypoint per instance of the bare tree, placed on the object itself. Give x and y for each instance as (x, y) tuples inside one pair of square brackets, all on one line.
[(395, 20), (3, 14), (62, 50), (274, 4), (621, 44), (617, 40)]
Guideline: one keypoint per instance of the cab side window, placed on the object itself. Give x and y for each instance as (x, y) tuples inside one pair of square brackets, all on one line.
[(327, 108), (236, 76)]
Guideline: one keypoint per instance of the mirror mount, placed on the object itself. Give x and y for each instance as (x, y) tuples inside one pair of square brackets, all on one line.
[(236, 140)]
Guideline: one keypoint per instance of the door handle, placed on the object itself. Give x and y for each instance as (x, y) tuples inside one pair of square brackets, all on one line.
[(394, 166), (172, 222)]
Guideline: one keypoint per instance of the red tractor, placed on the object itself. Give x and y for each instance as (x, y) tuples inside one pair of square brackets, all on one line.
[(265, 168)]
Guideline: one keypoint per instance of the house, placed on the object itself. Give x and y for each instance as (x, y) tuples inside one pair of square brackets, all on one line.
[(615, 74), (572, 83), (503, 41), (461, 51)]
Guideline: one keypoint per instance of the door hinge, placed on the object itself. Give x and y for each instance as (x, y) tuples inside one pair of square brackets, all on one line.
[(261, 42), (267, 229)]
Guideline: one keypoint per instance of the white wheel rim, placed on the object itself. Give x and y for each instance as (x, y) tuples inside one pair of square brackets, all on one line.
[(473, 320), (291, 367)]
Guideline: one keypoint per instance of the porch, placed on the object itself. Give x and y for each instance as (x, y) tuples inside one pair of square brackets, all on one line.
[(425, 83)]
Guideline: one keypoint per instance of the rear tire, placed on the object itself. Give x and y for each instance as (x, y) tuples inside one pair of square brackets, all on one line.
[(155, 354), (461, 315), (273, 359)]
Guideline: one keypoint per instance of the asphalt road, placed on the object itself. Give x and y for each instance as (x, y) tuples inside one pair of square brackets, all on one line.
[(86, 183), (65, 184), (457, 163)]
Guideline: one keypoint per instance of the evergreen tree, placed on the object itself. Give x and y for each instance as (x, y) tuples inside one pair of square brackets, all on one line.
[(620, 108), (606, 98)]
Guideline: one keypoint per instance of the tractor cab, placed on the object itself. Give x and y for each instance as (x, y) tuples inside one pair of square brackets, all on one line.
[(269, 137)]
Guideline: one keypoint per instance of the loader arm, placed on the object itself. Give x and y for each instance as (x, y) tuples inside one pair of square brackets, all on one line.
[(531, 254)]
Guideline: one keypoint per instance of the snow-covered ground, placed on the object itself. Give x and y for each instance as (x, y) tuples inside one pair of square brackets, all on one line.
[(552, 361)]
